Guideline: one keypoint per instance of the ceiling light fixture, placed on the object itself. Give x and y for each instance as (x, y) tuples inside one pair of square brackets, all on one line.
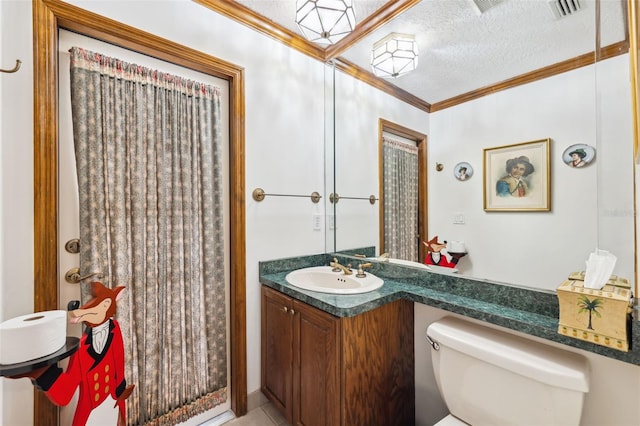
[(394, 55), (325, 21)]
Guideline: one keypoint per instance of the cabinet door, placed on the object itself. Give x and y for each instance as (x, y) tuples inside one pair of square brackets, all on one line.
[(378, 366), (315, 367), (277, 350)]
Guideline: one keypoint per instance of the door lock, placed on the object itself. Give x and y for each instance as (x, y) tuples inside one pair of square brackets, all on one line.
[(73, 246)]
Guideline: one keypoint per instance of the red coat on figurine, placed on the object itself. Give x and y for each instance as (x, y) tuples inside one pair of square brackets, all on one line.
[(97, 367), (435, 256)]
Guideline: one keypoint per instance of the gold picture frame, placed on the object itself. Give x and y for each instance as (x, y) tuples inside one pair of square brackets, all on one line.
[(517, 177)]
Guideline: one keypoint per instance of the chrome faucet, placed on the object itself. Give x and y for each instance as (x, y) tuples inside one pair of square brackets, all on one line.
[(337, 267)]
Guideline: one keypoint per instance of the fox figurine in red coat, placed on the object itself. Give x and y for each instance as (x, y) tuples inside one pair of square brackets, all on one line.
[(436, 256), (97, 367)]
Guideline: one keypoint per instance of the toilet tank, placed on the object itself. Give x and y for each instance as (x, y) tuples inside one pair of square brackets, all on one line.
[(488, 377)]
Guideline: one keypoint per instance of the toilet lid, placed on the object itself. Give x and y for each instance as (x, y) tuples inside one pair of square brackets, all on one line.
[(451, 420)]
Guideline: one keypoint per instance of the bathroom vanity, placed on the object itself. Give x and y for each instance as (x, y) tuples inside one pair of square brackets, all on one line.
[(297, 353), (319, 369)]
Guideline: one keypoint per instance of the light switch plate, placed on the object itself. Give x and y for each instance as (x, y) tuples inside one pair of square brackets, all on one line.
[(317, 222)]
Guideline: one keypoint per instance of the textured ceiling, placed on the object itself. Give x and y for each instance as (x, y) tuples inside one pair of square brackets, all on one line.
[(462, 49)]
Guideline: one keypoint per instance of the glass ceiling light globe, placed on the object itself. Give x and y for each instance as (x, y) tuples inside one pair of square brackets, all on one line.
[(394, 55), (325, 21)]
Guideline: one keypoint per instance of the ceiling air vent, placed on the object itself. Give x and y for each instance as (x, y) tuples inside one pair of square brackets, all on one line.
[(564, 8), (484, 5)]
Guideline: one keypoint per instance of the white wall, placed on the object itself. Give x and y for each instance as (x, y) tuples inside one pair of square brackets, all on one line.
[(614, 386), (589, 208), (16, 194)]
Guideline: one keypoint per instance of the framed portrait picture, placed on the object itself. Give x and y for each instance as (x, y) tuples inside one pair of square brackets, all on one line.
[(463, 171), (518, 177), (579, 155)]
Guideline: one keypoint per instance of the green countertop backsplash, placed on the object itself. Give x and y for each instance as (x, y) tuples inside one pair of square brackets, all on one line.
[(528, 311)]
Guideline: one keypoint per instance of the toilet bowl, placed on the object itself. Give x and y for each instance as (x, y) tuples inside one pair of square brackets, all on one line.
[(489, 377)]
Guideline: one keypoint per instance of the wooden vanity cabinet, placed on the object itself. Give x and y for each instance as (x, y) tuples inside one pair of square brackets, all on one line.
[(318, 369), (277, 351)]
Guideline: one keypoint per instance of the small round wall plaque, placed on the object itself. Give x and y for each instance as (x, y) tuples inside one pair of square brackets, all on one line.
[(579, 155), (463, 171)]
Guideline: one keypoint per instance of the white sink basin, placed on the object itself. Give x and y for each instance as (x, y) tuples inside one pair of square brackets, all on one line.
[(322, 279)]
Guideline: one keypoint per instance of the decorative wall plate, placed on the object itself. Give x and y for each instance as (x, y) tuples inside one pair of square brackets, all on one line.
[(578, 155), (463, 171)]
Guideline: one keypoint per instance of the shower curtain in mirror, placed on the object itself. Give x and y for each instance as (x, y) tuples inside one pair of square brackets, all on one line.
[(148, 154), (400, 186)]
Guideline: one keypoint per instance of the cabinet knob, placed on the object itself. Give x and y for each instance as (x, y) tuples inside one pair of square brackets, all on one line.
[(292, 312), (285, 309)]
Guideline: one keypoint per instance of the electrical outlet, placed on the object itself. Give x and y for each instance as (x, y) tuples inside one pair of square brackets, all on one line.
[(458, 218)]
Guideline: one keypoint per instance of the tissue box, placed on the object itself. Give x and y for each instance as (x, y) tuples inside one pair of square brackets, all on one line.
[(600, 316)]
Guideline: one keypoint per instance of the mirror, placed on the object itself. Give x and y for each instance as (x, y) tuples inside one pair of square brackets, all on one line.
[(591, 207)]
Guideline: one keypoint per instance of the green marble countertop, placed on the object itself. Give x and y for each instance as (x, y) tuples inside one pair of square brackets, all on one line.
[(528, 311)]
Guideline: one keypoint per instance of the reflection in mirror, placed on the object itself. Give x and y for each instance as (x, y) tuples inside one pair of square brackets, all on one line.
[(399, 204), (402, 155), (582, 101)]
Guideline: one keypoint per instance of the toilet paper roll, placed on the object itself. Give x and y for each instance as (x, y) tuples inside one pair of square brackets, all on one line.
[(32, 336), (457, 247)]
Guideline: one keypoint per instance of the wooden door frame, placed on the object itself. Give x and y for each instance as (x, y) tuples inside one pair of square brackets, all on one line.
[(421, 142), (49, 16)]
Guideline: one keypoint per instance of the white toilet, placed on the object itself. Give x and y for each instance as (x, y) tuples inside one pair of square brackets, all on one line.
[(488, 377)]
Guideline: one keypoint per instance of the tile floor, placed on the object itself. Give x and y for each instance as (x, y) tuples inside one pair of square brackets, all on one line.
[(264, 415)]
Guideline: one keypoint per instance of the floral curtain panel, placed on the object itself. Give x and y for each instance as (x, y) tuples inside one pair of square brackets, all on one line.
[(149, 164), (400, 174)]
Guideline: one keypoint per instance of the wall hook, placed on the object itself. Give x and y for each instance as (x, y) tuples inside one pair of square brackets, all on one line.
[(15, 69)]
